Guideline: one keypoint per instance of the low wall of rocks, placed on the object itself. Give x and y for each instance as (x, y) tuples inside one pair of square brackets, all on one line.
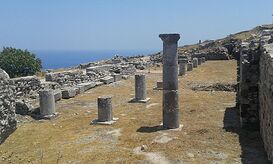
[(212, 55), (26, 85), (7, 106), (69, 78), (266, 98)]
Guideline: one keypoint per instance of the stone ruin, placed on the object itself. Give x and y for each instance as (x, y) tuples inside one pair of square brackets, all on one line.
[(254, 89), (7, 106)]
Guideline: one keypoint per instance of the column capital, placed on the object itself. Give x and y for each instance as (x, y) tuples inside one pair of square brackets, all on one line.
[(169, 38)]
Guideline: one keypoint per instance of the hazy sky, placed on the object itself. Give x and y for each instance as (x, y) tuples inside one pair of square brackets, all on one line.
[(123, 24)]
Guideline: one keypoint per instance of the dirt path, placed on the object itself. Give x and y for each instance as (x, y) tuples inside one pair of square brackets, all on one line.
[(210, 132)]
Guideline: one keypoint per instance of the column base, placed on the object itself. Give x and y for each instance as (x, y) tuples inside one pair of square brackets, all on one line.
[(97, 122), (45, 117), (139, 101)]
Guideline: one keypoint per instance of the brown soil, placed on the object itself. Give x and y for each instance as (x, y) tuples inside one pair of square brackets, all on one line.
[(210, 131)]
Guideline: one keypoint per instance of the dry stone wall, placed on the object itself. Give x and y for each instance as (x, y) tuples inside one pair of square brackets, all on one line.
[(26, 85), (248, 86), (266, 99), (255, 91), (7, 106)]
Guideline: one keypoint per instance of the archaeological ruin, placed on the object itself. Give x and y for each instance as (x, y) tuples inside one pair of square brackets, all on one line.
[(161, 85)]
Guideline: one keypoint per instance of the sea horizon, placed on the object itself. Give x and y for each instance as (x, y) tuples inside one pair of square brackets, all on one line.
[(56, 59)]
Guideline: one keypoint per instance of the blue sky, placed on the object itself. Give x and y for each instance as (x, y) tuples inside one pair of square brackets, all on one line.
[(123, 24)]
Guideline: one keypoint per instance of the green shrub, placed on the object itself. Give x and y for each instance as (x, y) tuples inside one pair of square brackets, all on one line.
[(17, 62)]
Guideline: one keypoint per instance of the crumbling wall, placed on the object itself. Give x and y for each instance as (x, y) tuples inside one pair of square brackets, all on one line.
[(266, 99), (7, 106), (248, 86), (28, 85), (69, 78)]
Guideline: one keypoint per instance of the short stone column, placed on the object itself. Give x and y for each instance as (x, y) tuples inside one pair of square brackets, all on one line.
[(47, 103), (140, 89), (195, 62), (105, 116), (190, 67), (182, 67), (105, 109), (170, 81), (203, 59), (199, 62)]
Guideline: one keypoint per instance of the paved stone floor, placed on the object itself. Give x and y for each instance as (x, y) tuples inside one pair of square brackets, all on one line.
[(210, 132)]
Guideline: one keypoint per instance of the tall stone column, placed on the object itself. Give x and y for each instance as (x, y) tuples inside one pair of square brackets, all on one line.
[(47, 102), (170, 81)]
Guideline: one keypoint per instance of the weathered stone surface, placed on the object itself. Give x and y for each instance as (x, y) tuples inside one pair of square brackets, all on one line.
[(266, 99), (57, 95), (80, 89), (203, 59), (107, 79), (170, 81), (26, 85), (195, 62), (68, 93), (7, 106), (171, 112), (182, 69), (199, 62), (105, 109), (117, 77), (47, 102), (140, 87), (23, 108), (70, 78), (190, 67), (87, 85)]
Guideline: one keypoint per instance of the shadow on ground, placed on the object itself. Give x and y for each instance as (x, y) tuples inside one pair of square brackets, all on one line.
[(151, 129), (250, 140)]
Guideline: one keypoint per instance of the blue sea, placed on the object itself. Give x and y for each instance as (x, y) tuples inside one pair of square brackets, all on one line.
[(53, 59)]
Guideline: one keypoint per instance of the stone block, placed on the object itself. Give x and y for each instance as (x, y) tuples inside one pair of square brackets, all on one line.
[(68, 93), (117, 77), (107, 79)]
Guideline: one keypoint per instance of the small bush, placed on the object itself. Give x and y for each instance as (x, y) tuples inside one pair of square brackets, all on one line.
[(17, 62)]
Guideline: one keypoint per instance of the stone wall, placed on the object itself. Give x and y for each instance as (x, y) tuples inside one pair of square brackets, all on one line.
[(28, 85), (69, 78), (248, 86), (266, 99), (7, 106)]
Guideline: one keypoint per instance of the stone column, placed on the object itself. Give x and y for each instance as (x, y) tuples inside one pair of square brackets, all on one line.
[(195, 62), (140, 89), (203, 59), (199, 62), (170, 81), (190, 67), (105, 109), (47, 102), (182, 67)]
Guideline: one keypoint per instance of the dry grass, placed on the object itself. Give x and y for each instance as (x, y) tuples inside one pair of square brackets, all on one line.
[(70, 139)]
